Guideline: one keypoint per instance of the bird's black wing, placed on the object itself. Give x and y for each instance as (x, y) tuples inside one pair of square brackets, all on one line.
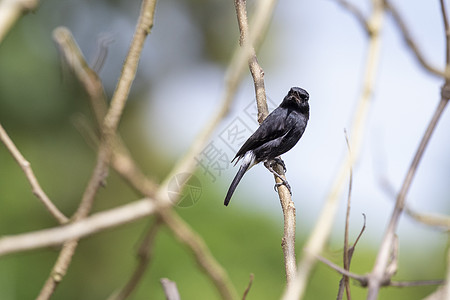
[(270, 129)]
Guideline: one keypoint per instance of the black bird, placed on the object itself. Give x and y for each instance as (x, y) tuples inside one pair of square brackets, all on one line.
[(277, 134)]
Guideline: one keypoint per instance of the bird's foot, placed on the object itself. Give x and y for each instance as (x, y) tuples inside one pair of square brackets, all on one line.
[(284, 182), (281, 163)]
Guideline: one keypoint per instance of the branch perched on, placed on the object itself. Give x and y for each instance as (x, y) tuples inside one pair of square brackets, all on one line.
[(288, 242), (322, 229)]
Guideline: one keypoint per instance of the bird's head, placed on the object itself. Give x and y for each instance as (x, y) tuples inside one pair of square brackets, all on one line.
[(297, 97)]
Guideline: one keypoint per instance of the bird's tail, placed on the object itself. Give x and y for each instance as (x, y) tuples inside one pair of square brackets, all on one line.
[(247, 162), (235, 182)]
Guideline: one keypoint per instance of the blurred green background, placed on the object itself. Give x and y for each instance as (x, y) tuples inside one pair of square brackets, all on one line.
[(40, 105)]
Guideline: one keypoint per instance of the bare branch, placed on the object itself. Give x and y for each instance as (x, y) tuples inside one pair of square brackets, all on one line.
[(288, 241), (447, 32), (88, 226), (392, 267), (356, 12), (112, 118), (108, 129), (87, 77), (252, 276), (430, 219), (255, 68), (378, 273), (121, 159), (410, 41), (143, 28), (416, 283), (347, 254), (102, 52), (59, 270), (321, 231), (35, 186), (364, 279)]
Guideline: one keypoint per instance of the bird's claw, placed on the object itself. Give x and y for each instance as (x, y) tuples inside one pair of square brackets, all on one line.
[(285, 183), (281, 163)]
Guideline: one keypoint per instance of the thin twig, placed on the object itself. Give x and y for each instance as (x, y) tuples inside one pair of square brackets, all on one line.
[(360, 278), (88, 78), (344, 282), (252, 276), (431, 219), (417, 283), (364, 279), (378, 274), (321, 231), (447, 33), (121, 159), (59, 270), (112, 118), (351, 250), (410, 41), (35, 186), (143, 28), (357, 13), (102, 52), (255, 68), (383, 254)]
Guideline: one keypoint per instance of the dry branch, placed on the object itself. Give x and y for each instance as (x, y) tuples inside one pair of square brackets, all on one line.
[(356, 12), (347, 255), (111, 122), (379, 272), (288, 241), (364, 279), (321, 231), (88, 226), (407, 36), (35, 186), (252, 276), (436, 220)]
